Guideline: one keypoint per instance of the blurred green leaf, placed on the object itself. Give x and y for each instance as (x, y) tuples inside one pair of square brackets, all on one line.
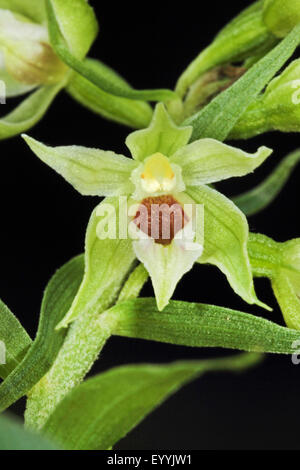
[(260, 197), (57, 300), (113, 403), (29, 112), (98, 77), (15, 339), (14, 437), (219, 117), (132, 113), (200, 325)]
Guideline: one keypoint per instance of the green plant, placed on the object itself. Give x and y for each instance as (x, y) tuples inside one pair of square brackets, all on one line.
[(231, 90)]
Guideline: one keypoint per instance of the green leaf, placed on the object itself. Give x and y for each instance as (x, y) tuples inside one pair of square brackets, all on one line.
[(32, 9), (240, 38), (132, 113), (14, 437), (77, 23), (98, 77), (91, 171), (113, 403), (219, 117), (201, 325), (161, 136), (15, 339), (207, 161), (29, 112), (108, 259), (56, 301), (261, 196), (225, 240)]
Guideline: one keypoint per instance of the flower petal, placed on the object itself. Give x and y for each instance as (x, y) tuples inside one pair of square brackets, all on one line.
[(207, 161), (92, 172), (12, 87), (29, 112), (108, 261), (32, 9), (166, 265), (162, 136), (225, 240)]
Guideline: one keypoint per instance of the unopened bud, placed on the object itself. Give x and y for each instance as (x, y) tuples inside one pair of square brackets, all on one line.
[(281, 16), (28, 56)]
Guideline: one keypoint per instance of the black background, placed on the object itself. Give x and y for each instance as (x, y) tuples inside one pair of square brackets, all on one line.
[(43, 223)]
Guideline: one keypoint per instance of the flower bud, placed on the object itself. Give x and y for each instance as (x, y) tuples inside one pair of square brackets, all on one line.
[(28, 56), (278, 108), (281, 16)]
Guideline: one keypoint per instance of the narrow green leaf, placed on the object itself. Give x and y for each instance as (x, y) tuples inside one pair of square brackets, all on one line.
[(15, 339), (32, 9), (260, 197), (218, 118), (200, 325), (98, 77), (132, 113), (29, 112), (77, 23), (14, 437), (57, 300), (113, 403)]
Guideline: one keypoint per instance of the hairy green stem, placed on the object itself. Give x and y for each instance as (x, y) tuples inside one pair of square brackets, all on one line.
[(84, 342)]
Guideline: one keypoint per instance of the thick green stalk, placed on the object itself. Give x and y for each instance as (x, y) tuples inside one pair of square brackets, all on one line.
[(84, 342)]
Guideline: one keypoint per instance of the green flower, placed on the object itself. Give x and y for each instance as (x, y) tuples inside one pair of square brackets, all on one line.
[(27, 54), (43, 47), (165, 173)]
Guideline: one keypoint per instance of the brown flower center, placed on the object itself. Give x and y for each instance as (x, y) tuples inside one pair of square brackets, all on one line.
[(160, 217)]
